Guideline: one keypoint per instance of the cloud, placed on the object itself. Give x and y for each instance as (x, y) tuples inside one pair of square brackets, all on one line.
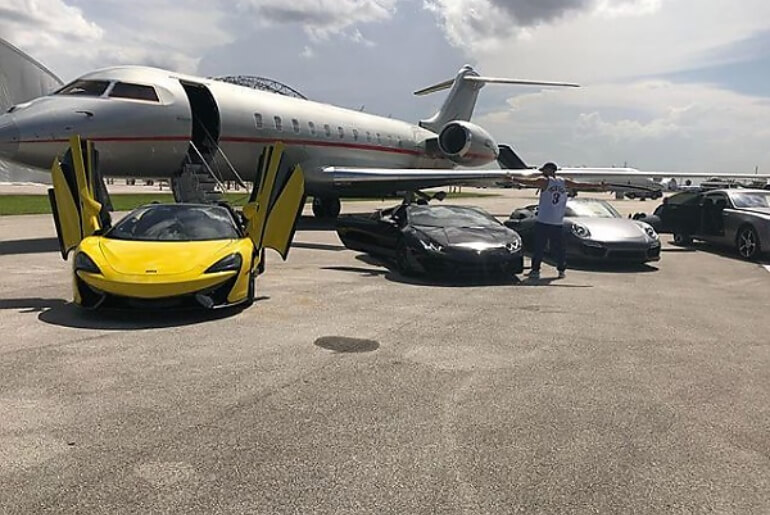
[(473, 23), (44, 25), (648, 124), (320, 18)]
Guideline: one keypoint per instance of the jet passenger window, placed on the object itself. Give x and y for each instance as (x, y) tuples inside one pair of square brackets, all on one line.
[(85, 88), (134, 92), (327, 130), (341, 131), (295, 125), (355, 134), (258, 120), (368, 136), (278, 123), (311, 125)]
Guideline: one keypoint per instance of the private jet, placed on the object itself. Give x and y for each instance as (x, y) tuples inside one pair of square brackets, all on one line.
[(148, 122)]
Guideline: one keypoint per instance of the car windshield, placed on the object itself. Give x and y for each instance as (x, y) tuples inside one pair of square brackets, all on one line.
[(174, 222), (750, 199), (591, 209), (450, 216)]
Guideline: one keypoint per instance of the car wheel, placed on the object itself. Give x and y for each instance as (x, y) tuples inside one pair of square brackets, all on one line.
[(631, 196), (682, 239), (402, 260), (747, 242)]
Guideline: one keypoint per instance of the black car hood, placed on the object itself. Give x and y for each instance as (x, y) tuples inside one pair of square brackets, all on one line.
[(450, 236)]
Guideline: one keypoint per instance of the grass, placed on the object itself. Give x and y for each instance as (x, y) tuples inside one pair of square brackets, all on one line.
[(38, 204)]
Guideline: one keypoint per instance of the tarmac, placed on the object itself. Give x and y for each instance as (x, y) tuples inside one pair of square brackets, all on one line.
[(348, 388)]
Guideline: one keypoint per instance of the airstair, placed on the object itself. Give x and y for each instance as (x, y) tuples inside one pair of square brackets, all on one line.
[(197, 181)]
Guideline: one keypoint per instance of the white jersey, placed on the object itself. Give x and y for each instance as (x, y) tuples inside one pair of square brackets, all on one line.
[(553, 202)]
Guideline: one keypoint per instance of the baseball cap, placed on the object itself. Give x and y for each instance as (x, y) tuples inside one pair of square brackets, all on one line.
[(549, 166)]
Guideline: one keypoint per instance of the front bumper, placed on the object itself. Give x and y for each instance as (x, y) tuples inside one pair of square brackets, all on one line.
[(628, 252), (91, 293), (469, 262)]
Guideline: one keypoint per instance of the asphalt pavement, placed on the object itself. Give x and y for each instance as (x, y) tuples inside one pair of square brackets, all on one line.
[(348, 388)]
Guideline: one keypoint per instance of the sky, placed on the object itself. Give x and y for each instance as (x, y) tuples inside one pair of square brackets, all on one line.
[(666, 84)]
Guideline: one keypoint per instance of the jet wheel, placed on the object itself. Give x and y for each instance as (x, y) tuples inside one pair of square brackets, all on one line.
[(326, 207)]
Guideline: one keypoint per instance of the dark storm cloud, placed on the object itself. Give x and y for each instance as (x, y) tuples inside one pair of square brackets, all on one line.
[(532, 12)]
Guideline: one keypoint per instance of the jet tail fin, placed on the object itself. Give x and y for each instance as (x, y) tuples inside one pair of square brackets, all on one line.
[(465, 87), (22, 78)]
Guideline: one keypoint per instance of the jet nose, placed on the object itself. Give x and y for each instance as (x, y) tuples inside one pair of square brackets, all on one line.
[(9, 138)]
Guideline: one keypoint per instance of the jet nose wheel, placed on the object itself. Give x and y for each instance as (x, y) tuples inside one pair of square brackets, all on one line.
[(326, 207)]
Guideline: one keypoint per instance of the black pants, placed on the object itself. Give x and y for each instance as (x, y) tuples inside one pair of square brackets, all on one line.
[(555, 235)]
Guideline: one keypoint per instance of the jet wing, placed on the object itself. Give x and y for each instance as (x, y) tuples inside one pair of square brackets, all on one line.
[(597, 173), (384, 181)]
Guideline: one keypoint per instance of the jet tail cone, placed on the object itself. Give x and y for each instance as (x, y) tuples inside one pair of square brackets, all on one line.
[(9, 138)]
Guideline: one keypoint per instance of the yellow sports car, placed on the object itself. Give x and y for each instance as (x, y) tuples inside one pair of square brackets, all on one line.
[(163, 255)]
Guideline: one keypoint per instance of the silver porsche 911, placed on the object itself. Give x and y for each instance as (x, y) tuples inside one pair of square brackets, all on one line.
[(595, 231)]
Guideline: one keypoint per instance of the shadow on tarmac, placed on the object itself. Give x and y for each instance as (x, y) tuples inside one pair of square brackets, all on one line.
[(319, 246), (386, 269), (66, 314), (30, 246), (311, 223)]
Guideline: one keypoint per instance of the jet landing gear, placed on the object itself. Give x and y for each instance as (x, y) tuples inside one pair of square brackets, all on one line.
[(326, 207)]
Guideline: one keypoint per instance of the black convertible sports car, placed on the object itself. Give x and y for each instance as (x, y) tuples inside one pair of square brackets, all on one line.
[(595, 232), (435, 239)]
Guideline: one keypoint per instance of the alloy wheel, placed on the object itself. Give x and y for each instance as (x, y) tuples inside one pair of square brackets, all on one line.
[(747, 243)]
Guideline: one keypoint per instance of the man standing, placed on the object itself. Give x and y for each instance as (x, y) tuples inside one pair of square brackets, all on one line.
[(550, 215)]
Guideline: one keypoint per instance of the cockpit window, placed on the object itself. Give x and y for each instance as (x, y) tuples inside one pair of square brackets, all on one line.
[(85, 88), (134, 92)]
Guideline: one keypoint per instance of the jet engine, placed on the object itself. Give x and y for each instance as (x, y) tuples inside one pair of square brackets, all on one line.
[(467, 144)]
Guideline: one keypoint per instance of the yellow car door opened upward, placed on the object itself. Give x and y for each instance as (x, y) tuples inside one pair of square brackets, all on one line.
[(164, 255)]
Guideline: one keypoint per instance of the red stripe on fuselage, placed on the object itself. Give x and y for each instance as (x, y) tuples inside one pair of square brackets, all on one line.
[(235, 139), (313, 143)]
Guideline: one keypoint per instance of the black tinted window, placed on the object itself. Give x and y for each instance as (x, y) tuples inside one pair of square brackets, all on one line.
[(683, 198), (171, 222), (134, 92), (85, 88)]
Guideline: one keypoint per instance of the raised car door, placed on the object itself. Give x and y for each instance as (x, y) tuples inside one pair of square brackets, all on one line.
[(76, 211), (276, 201), (389, 230)]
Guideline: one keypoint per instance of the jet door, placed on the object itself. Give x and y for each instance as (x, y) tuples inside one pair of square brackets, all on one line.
[(275, 203), (76, 211), (206, 121)]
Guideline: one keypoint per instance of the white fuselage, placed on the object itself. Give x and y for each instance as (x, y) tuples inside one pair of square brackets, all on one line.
[(141, 138)]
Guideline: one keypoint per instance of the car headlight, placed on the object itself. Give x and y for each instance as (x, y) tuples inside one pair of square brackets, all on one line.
[(650, 232), (229, 263), (431, 246), (85, 263), (581, 231)]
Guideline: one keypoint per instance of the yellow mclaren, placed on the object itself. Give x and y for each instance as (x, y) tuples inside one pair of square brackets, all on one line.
[(168, 255)]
